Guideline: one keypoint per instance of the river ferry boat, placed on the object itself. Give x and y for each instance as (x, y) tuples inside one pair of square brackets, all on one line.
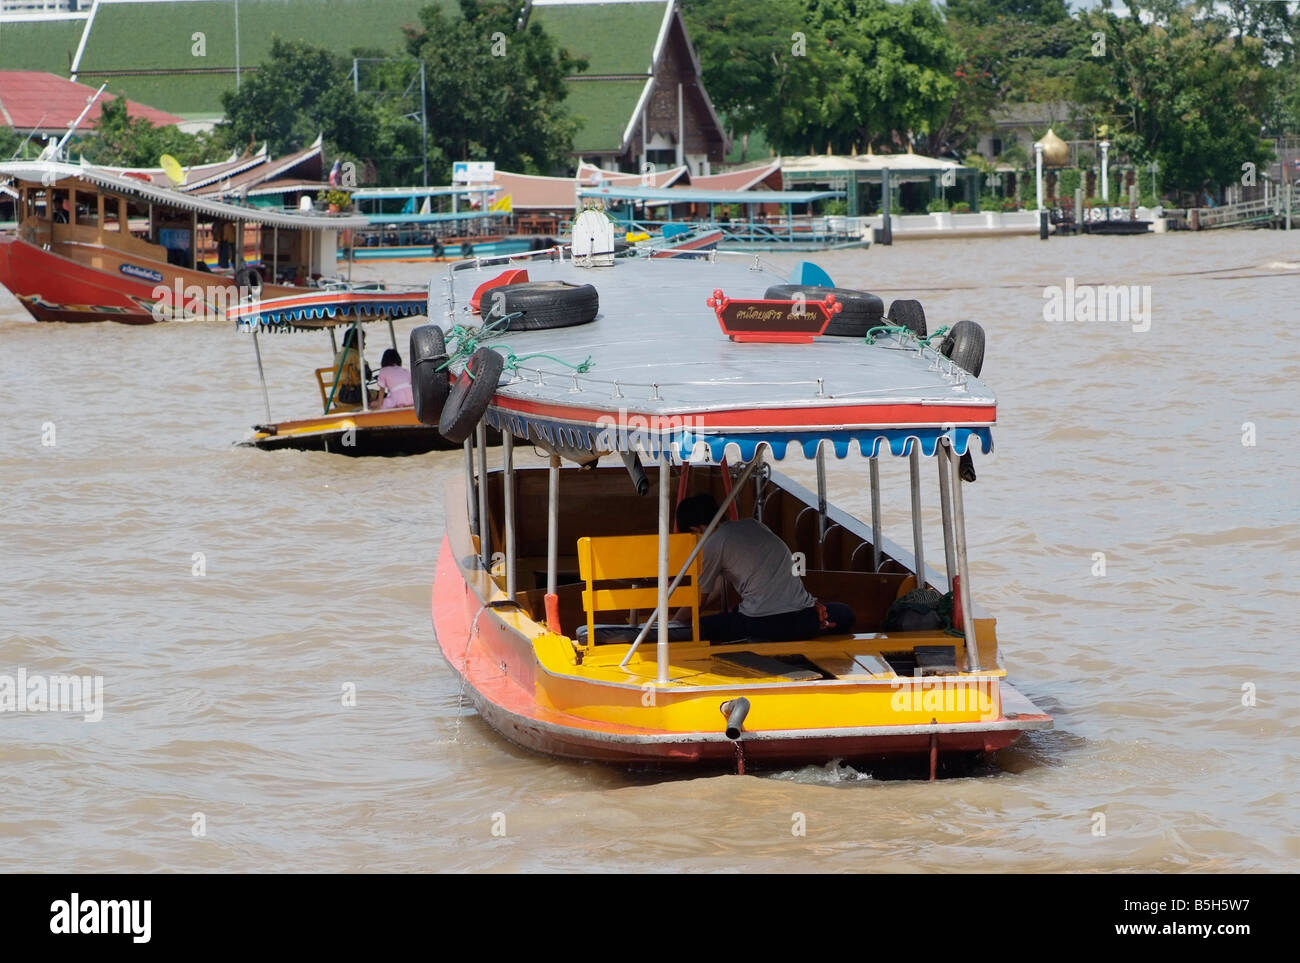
[(97, 245), (355, 426), (555, 585)]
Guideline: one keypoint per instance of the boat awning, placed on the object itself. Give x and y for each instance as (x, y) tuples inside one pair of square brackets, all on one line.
[(400, 193), (47, 172), (655, 370), (687, 443), (328, 309), (378, 220), (692, 195)]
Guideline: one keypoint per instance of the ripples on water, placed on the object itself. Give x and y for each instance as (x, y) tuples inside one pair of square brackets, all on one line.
[(224, 692)]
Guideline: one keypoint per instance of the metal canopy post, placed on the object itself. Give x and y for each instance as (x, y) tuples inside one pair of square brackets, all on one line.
[(392, 333), (821, 493), (875, 513), (508, 478), (918, 543), (485, 527), (275, 257), (945, 499), (266, 398), (361, 364), (471, 503), (665, 529), (553, 545), (690, 559), (963, 567)]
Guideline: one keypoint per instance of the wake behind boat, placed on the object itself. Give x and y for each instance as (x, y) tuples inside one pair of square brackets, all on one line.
[(554, 588)]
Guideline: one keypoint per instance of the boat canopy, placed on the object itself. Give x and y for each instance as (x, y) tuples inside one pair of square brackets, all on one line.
[(656, 370), (329, 309), (50, 172), (692, 195)]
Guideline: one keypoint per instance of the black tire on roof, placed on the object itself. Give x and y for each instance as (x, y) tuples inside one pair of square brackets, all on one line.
[(545, 304), (964, 344), (862, 310), (429, 385), (909, 314), (471, 395)]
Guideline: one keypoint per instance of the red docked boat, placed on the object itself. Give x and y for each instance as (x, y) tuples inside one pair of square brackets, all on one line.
[(94, 245)]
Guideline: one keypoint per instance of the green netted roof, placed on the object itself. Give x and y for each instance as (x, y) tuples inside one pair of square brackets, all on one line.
[(39, 44), (615, 38), (159, 36), (603, 107)]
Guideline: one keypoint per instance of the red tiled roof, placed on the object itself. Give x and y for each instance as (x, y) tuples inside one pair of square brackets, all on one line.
[(34, 100), (764, 175), (537, 193)]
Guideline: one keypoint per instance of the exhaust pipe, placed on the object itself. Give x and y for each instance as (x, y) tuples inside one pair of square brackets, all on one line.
[(735, 710), (632, 462)]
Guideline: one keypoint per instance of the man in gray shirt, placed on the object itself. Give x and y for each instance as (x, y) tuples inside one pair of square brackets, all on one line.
[(774, 605)]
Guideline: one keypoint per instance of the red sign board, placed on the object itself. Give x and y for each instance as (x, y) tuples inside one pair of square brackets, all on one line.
[(773, 322)]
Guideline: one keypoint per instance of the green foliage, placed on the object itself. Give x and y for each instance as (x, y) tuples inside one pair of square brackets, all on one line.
[(1018, 11), (494, 92), (298, 92), (119, 140), (335, 197), (9, 142), (937, 205), (961, 207), (835, 207), (825, 73), (1069, 181), (1182, 91)]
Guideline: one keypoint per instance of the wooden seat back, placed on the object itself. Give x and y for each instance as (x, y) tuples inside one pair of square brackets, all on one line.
[(635, 559)]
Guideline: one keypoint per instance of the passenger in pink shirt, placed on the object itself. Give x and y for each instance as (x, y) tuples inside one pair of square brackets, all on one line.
[(395, 381)]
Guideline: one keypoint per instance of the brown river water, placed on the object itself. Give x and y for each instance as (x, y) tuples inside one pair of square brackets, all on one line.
[(224, 691)]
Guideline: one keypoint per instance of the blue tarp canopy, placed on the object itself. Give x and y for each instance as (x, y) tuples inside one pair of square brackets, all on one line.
[(694, 195)]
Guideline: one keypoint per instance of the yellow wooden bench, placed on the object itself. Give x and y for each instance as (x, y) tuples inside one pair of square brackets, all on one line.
[(635, 559)]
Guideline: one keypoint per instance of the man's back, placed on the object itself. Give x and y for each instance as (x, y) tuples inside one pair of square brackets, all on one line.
[(758, 564)]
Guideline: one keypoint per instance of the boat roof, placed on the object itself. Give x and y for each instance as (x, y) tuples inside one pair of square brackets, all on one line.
[(655, 369), (329, 308), (48, 172), (399, 193), (696, 195)]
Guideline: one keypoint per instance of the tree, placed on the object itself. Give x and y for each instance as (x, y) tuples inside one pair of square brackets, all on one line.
[(896, 64), (761, 68), (1182, 91), (495, 92), (300, 91), (119, 140), (984, 12)]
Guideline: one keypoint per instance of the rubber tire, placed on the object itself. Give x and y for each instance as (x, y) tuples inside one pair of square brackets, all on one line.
[(908, 314), (470, 397), (545, 304), (964, 344), (861, 312), (248, 277), (429, 386)]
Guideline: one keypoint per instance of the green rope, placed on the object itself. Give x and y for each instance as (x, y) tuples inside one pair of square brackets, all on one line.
[(468, 340), (887, 329), (941, 333)]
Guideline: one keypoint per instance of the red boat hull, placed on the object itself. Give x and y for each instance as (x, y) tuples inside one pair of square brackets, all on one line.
[(55, 288)]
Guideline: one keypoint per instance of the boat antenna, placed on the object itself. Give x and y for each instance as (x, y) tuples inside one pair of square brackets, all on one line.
[(58, 151)]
